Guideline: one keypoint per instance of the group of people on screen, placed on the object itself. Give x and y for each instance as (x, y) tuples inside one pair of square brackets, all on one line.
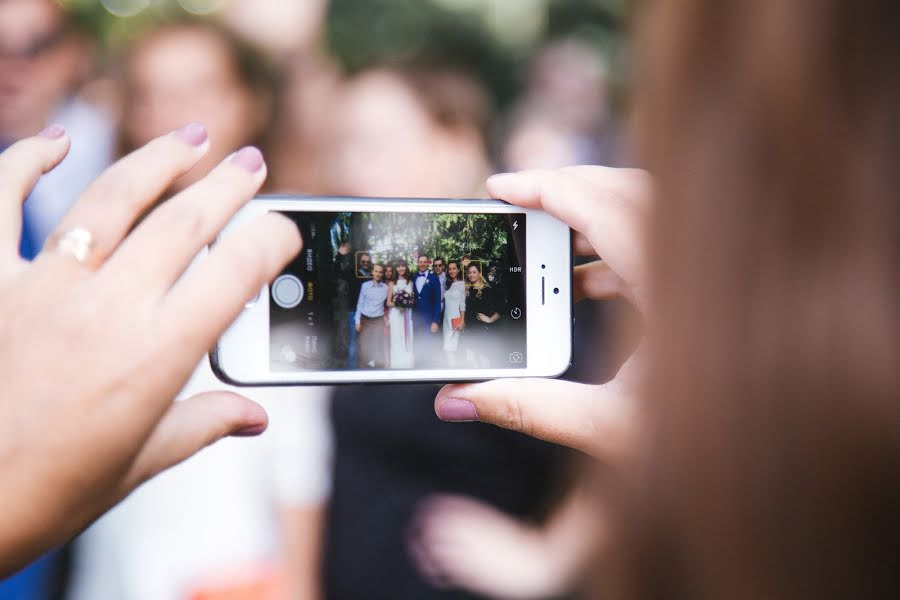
[(442, 314)]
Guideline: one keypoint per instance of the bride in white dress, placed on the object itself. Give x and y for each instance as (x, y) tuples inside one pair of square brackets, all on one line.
[(454, 311), (400, 320)]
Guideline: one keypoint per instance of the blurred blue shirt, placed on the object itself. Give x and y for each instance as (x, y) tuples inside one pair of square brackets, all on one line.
[(93, 143)]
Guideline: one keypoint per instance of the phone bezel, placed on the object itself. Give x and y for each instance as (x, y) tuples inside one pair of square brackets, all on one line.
[(241, 356)]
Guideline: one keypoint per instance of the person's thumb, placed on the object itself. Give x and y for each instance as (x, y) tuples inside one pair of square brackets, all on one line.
[(191, 425), (593, 419)]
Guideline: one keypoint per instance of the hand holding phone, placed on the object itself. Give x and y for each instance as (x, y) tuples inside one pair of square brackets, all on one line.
[(606, 208)]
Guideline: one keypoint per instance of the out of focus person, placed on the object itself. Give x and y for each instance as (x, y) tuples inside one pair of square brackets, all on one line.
[(44, 59), (239, 521), (566, 116), (281, 29), (309, 82), (427, 125), (535, 141), (191, 70), (395, 132)]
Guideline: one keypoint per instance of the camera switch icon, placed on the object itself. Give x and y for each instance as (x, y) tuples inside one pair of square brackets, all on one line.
[(516, 313)]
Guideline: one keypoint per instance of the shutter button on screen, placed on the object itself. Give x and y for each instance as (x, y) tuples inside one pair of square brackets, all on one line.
[(287, 291)]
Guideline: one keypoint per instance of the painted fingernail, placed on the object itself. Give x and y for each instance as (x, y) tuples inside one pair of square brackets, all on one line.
[(54, 131), (249, 159), (454, 409), (250, 431), (194, 134)]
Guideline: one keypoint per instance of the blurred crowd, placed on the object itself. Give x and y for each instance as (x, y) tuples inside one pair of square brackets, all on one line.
[(353, 493)]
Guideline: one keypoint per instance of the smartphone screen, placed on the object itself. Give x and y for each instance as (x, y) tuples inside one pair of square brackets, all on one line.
[(401, 290)]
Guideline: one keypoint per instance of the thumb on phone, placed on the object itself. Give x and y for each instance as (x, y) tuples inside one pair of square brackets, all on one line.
[(595, 419)]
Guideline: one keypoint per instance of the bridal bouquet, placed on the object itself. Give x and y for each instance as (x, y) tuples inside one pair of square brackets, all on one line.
[(403, 299)]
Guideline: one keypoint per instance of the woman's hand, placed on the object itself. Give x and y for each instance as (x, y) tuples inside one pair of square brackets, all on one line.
[(463, 543), (606, 208), (92, 351), (482, 317)]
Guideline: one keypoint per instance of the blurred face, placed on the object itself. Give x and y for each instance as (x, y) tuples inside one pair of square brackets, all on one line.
[(537, 144), (453, 271), (40, 61), (389, 272), (380, 139), (181, 75), (401, 270), (474, 275), (365, 262), (378, 273), (438, 266), (423, 263)]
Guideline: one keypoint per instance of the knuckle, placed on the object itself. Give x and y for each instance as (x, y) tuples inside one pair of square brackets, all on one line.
[(191, 220), (511, 415), (114, 185)]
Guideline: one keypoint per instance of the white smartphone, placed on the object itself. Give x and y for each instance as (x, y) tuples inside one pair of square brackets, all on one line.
[(406, 290)]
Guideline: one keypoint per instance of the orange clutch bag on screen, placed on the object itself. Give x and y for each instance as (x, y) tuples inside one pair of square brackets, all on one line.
[(455, 323)]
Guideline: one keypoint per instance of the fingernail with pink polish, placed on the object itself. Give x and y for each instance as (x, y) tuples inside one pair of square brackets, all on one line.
[(250, 431), (194, 134), (53, 131), (454, 409), (249, 159)]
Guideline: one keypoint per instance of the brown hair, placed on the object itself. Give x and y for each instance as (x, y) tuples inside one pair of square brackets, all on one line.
[(251, 69), (460, 276), (397, 264), (772, 409)]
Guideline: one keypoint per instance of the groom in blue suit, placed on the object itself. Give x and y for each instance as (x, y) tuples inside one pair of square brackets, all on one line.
[(426, 314)]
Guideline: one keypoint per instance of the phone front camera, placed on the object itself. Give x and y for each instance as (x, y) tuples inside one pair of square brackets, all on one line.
[(555, 290)]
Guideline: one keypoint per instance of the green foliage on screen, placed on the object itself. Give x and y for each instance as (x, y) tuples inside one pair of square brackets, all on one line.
[(404, 236)]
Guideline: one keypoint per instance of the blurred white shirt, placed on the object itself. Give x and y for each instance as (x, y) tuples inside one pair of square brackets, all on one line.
[(216, 512)]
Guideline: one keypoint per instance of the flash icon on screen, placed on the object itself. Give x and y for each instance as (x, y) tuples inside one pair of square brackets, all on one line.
[(515, 225)]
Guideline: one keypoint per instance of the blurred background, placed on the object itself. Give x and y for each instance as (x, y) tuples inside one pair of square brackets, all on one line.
[(359, 492)]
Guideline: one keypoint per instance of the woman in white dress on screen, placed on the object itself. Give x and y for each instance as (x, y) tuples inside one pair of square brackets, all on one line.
[(400, 298), (454, 311)]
